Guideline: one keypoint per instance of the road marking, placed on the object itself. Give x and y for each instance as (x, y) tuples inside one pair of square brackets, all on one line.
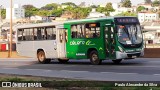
[(127, 73), (72, 71), (156, 74), (117, 73), (107, 72), (48, 70), (10, 68)]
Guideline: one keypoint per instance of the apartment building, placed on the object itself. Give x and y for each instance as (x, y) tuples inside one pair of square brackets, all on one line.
[(147, 16), (18, 12)]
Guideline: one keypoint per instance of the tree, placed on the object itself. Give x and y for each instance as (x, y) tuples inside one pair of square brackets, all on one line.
[(30, 10), (93, 6), (80, 13), (43, 13), (100, 9), (126, 3), (140, 8), (156, 3), (57, 12), (50, 6), (107, 9), (147, 1), (70, 4)]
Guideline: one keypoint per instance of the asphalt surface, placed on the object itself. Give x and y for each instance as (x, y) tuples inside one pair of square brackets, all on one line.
[(140, 69)]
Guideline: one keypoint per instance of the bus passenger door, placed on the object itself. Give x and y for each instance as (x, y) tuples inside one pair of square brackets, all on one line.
[(110, 41), (61, 43)]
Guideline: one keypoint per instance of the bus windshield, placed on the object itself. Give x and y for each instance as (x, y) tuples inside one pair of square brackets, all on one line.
[(129, 34)]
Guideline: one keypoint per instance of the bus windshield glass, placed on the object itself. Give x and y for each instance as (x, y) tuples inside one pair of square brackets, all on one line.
[(129, 34)]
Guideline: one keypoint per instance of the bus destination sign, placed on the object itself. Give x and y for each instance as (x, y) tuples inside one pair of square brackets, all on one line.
[(126, 20)]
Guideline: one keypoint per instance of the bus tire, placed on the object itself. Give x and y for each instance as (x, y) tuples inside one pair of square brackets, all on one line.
[(117, 61), (63, 60), (94, 59), (42, 58)]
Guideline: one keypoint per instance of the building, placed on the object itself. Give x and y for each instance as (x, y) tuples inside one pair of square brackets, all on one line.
[(149, 7), (18, 12), (118, 9), (94, 14), (36, 18), (147, 16)]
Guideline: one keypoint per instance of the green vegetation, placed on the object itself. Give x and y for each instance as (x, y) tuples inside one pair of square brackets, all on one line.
[(52, 6), (77, 12), (126, 3), (30, 10), (156, 3), (3, 13), (140, 8), (107, 9), (57, 10)]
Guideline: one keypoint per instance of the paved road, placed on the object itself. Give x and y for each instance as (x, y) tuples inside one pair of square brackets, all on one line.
[(141, 69)]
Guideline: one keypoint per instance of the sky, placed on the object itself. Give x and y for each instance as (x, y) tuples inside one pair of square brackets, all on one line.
[(40, 3)]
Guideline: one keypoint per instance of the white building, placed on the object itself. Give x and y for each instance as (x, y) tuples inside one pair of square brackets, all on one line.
[(95, 14), (18, 12), (36, 18), (148, 16), (118, 9)]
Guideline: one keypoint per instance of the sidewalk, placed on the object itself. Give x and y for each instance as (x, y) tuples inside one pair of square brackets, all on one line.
[(14, 55)]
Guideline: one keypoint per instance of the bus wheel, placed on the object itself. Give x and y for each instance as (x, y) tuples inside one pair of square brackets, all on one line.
[(94, 59), (42, 58), (63, 60), (117, 61)]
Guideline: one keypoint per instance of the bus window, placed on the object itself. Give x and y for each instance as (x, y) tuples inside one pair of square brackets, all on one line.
[(51, 33), (20, 34), (27, 33), (92, 30), (78, 31), (39, 34), (85, 30)]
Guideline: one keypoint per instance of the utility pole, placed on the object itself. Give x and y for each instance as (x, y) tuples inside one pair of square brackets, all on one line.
[(10, 43), (0, 20), (0, 13)]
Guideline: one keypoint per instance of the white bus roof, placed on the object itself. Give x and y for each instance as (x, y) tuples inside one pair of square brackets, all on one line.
[(39, 25), (95, 19)]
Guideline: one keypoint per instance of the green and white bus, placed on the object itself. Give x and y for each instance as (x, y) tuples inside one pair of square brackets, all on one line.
[(97, 39)]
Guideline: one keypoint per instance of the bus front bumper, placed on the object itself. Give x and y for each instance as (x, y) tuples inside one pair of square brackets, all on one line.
[(124, 55)]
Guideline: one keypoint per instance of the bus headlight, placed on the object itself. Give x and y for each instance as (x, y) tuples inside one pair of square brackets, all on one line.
[(121, 50)]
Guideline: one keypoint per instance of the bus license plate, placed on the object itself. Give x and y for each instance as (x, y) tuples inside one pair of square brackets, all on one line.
[(134, 56)]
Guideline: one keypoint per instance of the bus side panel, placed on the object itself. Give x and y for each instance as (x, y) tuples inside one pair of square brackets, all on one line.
[(49, 47), (24, 50), (78, 48)]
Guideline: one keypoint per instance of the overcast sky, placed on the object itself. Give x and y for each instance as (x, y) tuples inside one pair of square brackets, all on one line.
[(40, 3)]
